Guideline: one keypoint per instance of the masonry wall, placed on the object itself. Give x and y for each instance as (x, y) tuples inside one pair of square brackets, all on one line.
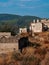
[(8, 47), (36, 27)]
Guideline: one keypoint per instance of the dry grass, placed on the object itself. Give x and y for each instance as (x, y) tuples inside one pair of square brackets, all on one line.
[(29, 55)]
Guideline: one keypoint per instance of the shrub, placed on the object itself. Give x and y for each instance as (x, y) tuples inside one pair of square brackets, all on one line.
[(30, 61), (17, 56)]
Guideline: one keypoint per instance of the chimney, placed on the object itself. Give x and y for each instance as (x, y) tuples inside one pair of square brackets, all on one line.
[(37, 20)]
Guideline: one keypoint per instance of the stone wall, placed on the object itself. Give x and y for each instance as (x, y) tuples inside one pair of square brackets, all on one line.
[(8, 47), (36, 27)]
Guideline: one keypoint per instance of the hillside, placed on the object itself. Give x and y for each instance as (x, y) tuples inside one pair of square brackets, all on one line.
[(19, 20), (8, 22)]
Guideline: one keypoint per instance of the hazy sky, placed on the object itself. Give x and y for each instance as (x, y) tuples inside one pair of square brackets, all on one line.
[(25, 7)]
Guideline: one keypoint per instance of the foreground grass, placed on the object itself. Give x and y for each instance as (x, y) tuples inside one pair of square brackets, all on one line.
[(25, 58)]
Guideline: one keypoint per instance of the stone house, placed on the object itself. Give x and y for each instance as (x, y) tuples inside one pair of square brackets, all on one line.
[(45, 22), (22, 30), (36, 26)]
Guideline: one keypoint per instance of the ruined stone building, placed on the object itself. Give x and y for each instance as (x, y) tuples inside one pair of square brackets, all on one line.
[(46, 22), (36, 26), (6, 37), (8, 42), (5, 34), (23, 30)]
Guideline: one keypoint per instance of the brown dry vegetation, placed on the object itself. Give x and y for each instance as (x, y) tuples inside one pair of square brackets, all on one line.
[(29, 55)]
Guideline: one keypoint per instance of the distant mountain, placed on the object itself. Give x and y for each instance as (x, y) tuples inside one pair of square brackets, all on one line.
[(17, 19), (9, 21), (8, 16)]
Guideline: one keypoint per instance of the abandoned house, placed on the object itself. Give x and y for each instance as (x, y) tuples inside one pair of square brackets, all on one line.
[(36, 26), (45, 22), (23, 30)]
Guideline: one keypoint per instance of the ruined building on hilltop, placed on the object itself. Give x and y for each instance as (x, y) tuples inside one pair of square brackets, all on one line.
[(36, 26)]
